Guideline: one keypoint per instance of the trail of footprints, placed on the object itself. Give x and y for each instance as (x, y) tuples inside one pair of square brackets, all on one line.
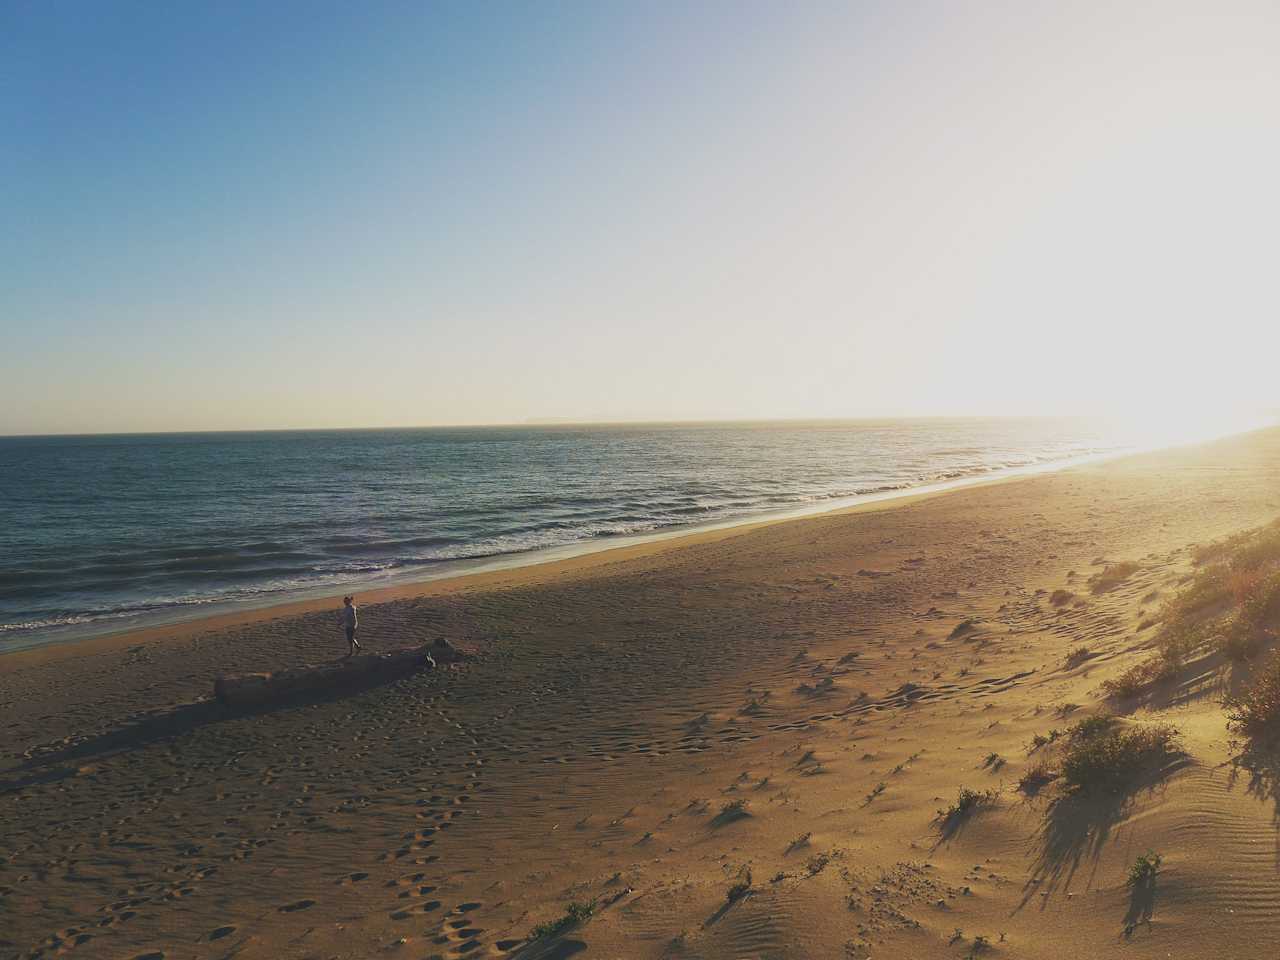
[(458, 929)]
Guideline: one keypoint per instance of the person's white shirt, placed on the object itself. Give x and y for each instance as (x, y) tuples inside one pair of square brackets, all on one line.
[(349, 615)]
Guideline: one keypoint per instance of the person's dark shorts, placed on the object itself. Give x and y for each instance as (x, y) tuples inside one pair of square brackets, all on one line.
[(351, 634)]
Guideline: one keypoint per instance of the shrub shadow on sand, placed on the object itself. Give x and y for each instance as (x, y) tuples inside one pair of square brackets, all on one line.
[(557, 949), (1142, 906), (1208, 675), (1259, 760), (968, 804), (1077, 827), (165, 724), (731, 812)]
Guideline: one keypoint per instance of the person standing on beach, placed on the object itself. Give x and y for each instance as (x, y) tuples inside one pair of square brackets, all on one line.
[(350, 622)]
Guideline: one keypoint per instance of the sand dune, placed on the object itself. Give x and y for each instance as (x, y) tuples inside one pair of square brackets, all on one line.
[(730, 746)]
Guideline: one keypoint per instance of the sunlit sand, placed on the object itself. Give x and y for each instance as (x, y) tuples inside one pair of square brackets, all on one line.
[(822, 737)]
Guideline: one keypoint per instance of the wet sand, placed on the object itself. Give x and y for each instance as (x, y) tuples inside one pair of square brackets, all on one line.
[(618, 705)]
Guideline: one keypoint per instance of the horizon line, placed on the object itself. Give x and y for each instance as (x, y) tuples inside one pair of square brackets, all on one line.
[(534, 422)]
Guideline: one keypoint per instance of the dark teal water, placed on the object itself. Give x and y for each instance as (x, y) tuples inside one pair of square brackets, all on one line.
[(100, 533)]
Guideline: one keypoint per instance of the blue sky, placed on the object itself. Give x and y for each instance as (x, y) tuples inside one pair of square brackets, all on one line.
[(310, 214)]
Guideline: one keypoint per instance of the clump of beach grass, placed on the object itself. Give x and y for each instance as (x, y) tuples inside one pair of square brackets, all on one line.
[(576, 914), (732, 810), (1037, 777), (967, 803), (1101, 753), (1229, 607), (1145, 869), (1078, 656), (1040, 740), (740, 888), (816, 864)]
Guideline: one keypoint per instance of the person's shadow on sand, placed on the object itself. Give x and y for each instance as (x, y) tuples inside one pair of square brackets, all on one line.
[(556, 949), (46, 765)]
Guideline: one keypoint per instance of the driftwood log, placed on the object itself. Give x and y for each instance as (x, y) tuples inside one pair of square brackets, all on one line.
[(240, 689)]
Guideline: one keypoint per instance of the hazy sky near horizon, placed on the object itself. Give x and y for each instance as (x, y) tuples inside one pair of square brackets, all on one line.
[(241, 215)]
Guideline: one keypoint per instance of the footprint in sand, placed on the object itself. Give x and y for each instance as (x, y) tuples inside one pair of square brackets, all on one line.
[(297, 905), (462, 933), (427, 907), (221, 932), (407, 878)]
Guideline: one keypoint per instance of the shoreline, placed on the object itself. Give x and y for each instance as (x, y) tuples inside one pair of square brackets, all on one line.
[(546, 565), (504, 575), (137, 610)]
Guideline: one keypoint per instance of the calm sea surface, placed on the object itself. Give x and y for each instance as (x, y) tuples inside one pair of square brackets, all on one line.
[(108, 532)]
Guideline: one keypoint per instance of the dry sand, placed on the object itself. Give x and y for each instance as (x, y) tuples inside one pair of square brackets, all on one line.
[(619, 703)]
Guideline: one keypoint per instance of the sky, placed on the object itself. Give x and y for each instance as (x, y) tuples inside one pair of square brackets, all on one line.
[(244, 215)]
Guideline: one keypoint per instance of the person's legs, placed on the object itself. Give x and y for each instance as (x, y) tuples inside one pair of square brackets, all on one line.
[(352, 646)]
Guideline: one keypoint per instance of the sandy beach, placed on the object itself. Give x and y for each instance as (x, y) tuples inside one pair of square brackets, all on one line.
[(782, 708)]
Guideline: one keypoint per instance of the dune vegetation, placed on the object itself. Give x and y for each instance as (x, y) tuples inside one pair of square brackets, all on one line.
[(1229, 610)]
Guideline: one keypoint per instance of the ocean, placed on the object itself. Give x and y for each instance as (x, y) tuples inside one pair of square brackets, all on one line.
[(103, 533)]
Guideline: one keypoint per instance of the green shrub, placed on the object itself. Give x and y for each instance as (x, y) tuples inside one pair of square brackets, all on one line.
[(1078, 656), (1040, 740), (1210, 588), (1255, 549), (1091, 727), (1145, 869), (733, 809), (575, 914), (967, 802), (1101, 753), (1037, 777), (1250, 549), (1241, 640), (1134, 681), (1261, 608), (1175, 647)]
